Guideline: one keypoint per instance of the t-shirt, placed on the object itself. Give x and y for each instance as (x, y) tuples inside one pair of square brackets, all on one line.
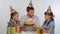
[(51, 24), (35, 19)]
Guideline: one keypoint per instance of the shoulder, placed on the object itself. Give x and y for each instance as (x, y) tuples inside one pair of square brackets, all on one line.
[(52, 23), (35, 16), (24, 16), (12, 21)]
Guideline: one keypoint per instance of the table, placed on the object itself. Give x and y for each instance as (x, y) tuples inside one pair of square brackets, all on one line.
[(23, 32)]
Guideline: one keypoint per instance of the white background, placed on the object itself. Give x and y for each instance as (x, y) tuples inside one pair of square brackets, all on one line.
[(20, 6)]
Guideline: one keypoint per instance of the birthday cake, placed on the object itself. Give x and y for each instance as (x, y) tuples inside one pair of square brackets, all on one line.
[(29, 22)]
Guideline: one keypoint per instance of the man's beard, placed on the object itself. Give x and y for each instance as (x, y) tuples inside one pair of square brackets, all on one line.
[(31, 15)]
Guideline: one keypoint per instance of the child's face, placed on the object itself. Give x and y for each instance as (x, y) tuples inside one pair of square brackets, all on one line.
[(47, 17), (16, 17)]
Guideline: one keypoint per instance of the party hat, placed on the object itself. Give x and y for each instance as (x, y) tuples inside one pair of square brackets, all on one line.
[(12, 10), (49, 9), (30, 4)]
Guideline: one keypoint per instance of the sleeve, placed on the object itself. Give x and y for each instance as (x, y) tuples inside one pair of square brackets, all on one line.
[(44, 26), (37, 22), (11, 23), (22, 21), (52, 24)]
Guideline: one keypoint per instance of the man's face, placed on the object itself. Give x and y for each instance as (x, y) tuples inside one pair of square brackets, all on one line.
[(30, 13)]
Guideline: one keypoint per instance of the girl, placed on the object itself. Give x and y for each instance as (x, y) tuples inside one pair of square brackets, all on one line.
[(49, 25), (14, 17), (14, 23)]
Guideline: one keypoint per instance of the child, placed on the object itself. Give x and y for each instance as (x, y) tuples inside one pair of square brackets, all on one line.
[(49, 25), (14, 17), (14, 23)]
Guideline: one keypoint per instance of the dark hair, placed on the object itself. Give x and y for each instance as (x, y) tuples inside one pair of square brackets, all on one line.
[(13, 14), (50, 14), (29, 8), (48, 22)]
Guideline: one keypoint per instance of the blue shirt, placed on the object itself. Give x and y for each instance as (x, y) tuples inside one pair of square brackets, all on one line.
[(51, 24)]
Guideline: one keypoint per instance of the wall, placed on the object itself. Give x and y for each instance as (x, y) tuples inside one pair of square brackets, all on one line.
[(20, 6)]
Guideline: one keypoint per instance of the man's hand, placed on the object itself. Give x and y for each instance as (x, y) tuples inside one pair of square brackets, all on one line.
[(33, 27), (24, 27)]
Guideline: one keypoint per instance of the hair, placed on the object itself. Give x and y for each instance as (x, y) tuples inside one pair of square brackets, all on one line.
[(50, 14), (29, 8), (13, 14)]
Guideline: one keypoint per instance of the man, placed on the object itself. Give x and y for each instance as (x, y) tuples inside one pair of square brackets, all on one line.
[(30, 19)]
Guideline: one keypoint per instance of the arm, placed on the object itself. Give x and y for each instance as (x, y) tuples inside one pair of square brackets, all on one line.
[(48, 31), (43, 29), (37, 23), (22, 23), (51, 28), (23, 27), (33, 27)]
